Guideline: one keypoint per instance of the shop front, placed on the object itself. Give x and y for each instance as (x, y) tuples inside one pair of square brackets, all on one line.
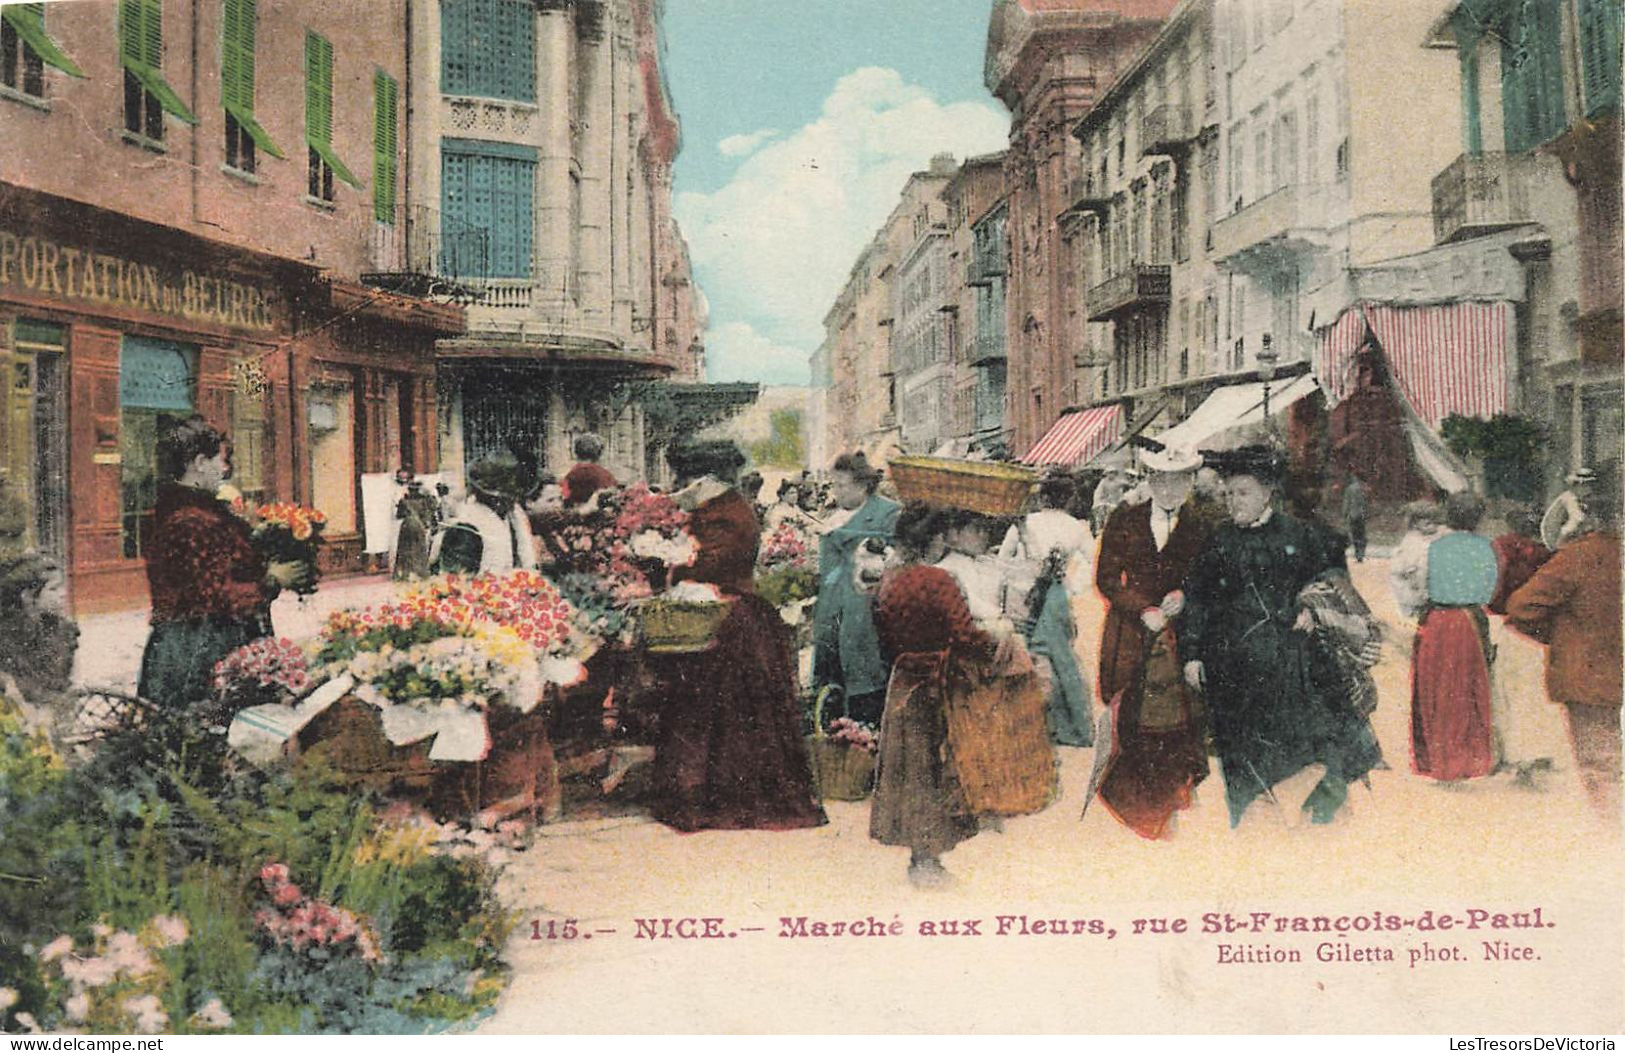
[(109, 324)]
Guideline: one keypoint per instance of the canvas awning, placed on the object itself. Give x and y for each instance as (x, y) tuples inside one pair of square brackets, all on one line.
[(1078, 437), (1236, 406), (1446, 359)]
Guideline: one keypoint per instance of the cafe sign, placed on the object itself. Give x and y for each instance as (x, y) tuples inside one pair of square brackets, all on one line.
[(76, 274)]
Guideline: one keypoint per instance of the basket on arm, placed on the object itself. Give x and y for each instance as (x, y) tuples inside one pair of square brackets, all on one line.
[(987, 487)]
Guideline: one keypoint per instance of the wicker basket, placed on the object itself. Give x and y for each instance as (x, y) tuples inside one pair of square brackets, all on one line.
[(980, 486), (677, 627), (840, 772)]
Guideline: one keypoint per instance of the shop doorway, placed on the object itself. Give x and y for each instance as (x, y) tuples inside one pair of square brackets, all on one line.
[(35, 460)]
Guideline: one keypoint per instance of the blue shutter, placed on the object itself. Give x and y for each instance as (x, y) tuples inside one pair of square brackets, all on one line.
[(489, 187), (454, 46), (488, 48)]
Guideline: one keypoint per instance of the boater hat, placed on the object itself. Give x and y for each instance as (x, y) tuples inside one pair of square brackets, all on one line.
[(1171, 459)]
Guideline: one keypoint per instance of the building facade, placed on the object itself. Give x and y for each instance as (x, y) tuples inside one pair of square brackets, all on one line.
[(1048, 61), (183, 229), (1534, 196), (980, 272), (925, 330), (545, 137)]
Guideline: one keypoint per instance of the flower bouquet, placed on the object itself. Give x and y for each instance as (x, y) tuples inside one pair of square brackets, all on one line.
[(285, 532), (264, 671), (787, 570), (523, 601), (843, 758)]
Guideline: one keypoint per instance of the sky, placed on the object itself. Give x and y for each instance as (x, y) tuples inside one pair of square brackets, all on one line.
[(802, 120)]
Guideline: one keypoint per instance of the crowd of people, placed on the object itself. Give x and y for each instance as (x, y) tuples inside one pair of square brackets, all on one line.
[(1232, 629)]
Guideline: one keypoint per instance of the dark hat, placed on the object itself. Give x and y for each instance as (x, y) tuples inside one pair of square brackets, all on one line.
[(1267, 464), (496, 475)]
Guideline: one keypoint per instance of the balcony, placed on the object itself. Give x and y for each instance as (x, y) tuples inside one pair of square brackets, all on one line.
[(1142, 285), (987, 347), (1268, 233), (1086, 198), (984, 267), (429, 256), (1480, 194), (1168, 131)]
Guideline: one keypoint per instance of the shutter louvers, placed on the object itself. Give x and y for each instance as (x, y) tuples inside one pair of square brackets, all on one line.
[(1599, 54), (29, 22), (385, 144)]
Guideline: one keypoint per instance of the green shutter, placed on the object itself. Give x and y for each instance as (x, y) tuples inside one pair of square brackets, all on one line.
[(1600, 54), (237, 51), (488, 187), (141, 51), (488, 48), (385, 103), (29, 22), (319, 104)]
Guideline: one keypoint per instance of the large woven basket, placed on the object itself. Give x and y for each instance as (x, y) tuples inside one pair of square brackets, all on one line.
[(980, 486), (677, 627)]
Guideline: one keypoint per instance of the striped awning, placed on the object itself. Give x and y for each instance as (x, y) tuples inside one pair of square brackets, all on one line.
[(1446, 359), (1078, 437)]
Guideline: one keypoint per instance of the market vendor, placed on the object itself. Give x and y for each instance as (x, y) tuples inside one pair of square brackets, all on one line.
[(846, 651), (488, 532), (211, 589), (730, 754), (587, 476)]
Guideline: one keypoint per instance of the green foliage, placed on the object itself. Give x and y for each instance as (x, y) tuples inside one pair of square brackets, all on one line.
[(783, 448), (785, 584), (161, 824), (1511, 448)]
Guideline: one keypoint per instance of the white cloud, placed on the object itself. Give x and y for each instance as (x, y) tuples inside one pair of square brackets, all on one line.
[(740, 145), (774, 245), (736, 351)]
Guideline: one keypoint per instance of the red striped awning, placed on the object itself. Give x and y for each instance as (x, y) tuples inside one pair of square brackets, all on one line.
[(1446, 359), (1078, 437)]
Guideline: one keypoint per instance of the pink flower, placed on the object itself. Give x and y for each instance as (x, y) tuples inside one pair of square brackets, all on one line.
[(171, 930), (274, 873), (56, 949), (286, 895)]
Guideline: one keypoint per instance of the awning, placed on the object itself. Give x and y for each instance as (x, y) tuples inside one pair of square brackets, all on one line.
[(1078, 437), (1236, 406), (1446, 359)]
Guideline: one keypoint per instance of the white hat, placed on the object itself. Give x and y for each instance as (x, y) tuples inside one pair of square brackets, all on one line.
[(1171, 459)]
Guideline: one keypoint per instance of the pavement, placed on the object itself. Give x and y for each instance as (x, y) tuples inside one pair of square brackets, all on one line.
[(1406, 848)]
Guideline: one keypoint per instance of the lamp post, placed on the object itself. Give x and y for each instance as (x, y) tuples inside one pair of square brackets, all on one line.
[(1266, 372)]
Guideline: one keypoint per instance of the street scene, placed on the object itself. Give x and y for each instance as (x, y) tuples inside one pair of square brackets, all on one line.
[(1035, 516)]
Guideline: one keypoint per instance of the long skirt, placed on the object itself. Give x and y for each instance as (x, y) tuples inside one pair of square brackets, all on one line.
[(730, 753), (917, 799), (1158, 755), (177, 667), (1051, 638), (1452, 734)]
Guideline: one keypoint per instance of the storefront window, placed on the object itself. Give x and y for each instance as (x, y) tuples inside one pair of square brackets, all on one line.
[(248, 430), (156, 378), (33, 440), (331, 405)]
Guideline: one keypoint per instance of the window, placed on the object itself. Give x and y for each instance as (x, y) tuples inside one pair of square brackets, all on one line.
[(488, 48), (1532, 76), (1286, 148), (147, 96), (491, 187), (1263, 182), (1599, 54), (1181, 216), (1311, 137), (385, 104), (156, 377), (331, 426), (26, 49), (1237, 151), (244, 136), (324, 163)]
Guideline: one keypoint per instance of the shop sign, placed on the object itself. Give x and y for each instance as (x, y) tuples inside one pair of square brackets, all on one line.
[(77, 274)]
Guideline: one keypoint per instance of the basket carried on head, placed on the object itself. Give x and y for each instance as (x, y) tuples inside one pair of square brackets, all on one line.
[(680, 627), (987, 487)]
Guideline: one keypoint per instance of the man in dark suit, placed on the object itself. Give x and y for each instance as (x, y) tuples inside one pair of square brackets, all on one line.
[(1145, 550)]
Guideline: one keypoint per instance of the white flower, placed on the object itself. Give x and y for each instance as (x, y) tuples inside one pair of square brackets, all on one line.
[(127, 954), (150, 1017), (77, 1007), (8, 997), (27, 1021), (213, 1016), (101, 929), (56, 949), (171, 929), (89, 972)]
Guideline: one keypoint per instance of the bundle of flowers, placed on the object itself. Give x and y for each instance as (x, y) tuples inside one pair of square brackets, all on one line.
[(521, 600), (267, 669), (285, 531), (787, 545), (854, 735), (602, 605), (310, 926), (654, 527), (491, 664)]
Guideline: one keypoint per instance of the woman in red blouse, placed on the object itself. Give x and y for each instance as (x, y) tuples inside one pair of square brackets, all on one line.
[(211, 589)]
